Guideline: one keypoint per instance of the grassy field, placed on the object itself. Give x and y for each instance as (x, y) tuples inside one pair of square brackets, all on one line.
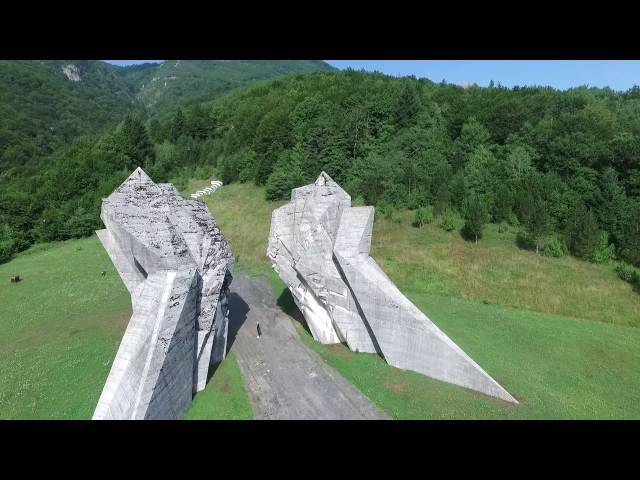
[(559, 334), (244, 217), (224, 397), (60, 329), (496, 271)]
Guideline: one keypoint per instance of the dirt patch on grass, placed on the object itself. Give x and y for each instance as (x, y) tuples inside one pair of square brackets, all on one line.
[(115, 324), (339, 350), (398, 386), (225, 386)]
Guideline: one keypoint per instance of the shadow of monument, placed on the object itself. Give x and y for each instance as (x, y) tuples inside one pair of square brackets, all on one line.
[(238, 310), (288, 306), (212, 370)]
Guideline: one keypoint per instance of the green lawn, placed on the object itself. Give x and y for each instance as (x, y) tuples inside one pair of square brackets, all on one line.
[(559, 334), (224, 398), (497, 271), (59, 330)]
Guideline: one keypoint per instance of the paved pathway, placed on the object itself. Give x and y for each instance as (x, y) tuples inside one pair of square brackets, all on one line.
[(284, 379)]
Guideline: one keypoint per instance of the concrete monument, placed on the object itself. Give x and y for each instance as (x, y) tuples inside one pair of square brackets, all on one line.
[(177, 266), (319, 245)]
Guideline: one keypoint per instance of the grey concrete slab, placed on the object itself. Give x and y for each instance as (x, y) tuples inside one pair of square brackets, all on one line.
[(285, 379), (319, 245), (177, 265)]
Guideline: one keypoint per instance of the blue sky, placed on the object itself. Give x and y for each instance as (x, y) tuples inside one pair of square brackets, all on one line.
[(562, 74)]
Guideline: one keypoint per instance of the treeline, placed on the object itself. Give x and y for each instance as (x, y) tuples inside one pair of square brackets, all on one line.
[(563, 165), (62, 199)]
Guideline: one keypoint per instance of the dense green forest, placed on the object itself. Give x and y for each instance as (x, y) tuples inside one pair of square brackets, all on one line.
[(41, 109), (176, 83), (45, 104), (564, 166)]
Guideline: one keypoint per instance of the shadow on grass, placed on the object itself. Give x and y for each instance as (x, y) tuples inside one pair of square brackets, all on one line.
[(524, 242), (288, 306), (467, 236), (212, 370)]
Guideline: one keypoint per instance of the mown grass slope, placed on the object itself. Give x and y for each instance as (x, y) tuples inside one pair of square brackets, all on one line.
[(60, 329)]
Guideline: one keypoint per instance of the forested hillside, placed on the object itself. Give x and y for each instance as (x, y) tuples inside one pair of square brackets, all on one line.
[(565, 165), (562, 165), (46, 104), (185, 82)]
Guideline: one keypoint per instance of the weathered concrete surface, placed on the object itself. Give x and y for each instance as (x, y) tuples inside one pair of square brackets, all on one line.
[(176, 264), (319, 245), (284, 379)]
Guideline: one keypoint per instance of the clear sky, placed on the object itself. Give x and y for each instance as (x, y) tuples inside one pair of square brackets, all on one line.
[(562, 74)]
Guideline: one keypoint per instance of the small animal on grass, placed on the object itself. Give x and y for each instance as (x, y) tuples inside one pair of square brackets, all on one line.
[(103, 273), (15, 279)]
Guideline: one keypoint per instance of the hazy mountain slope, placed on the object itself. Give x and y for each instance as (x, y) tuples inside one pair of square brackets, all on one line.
[(183, 82), (45, 104)]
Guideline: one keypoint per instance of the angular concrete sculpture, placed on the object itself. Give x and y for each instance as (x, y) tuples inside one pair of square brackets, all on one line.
[(177, 267), (319, 245)]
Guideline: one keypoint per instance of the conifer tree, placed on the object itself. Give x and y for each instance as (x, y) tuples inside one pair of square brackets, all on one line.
[(178, 125), (475, 216), (582, 232)]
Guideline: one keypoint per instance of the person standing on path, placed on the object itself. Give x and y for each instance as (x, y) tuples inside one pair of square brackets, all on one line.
[(259, 331)]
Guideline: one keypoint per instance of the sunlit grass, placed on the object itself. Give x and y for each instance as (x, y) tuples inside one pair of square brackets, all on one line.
[(224, 397), (496, 271), (60, 329)]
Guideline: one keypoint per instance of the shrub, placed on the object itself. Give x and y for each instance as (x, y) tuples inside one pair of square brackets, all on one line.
[(449, 220), (603, 251), (7, 243), (358, 201), (424, 216), (555, 247), (476, 216), (525, 241), (503, 227), (387, 211), (384, 210), (628, 273), (395, 216)]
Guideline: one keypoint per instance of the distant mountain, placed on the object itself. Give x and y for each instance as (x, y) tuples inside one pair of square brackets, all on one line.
[(162, 87), (45, 104)]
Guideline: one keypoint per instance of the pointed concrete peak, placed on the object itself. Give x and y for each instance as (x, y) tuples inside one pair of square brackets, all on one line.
[(324, 180), (137, 179), (140, 175)]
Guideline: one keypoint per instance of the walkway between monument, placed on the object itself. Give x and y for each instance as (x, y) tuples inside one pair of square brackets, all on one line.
[(284, 379)]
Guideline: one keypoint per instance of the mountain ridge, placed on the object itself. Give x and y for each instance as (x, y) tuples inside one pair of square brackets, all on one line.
[(45, 104)]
